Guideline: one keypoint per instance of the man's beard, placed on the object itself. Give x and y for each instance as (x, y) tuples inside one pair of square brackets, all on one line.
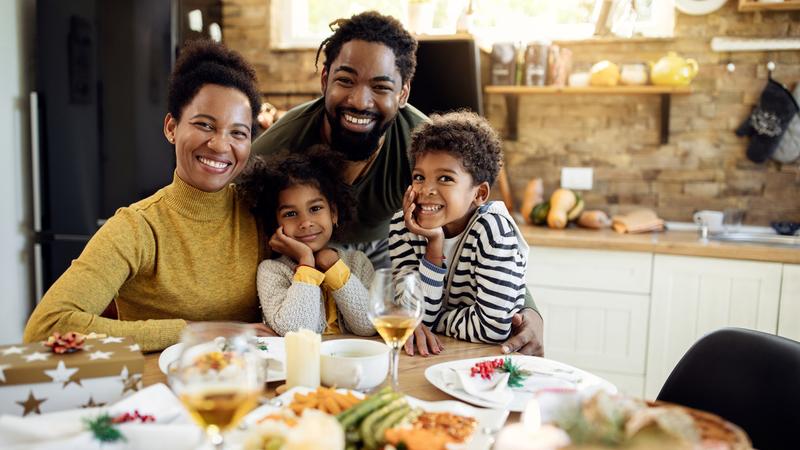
[(355, 146)]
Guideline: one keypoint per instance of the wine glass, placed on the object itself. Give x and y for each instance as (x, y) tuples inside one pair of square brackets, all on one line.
[(219, 375), (395, 308)]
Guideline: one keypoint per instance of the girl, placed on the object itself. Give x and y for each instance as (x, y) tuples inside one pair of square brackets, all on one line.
[(309, 283)]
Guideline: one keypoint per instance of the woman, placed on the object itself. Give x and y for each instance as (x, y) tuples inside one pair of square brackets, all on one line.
[(190, 251)]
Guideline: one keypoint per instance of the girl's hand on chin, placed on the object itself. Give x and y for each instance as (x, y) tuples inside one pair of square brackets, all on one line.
[(298, 251)]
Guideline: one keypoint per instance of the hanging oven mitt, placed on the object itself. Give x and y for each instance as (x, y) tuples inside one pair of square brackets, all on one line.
[(789, 148), (768, 122)]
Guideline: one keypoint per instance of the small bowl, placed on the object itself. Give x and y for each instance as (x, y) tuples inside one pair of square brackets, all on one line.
[(357, 364)]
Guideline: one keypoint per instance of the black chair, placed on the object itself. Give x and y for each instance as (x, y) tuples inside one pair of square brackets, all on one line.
[(749, 378)]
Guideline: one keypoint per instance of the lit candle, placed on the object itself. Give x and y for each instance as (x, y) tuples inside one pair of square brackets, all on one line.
[(302, 358)]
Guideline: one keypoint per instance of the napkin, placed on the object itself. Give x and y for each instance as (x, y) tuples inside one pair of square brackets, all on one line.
[(172, 429), (638, 221), (494, 391)]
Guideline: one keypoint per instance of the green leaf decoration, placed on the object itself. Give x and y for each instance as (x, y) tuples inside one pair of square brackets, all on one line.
[(516, 375), (103, 428)]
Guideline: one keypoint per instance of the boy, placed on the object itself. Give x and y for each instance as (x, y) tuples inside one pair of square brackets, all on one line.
[(470, 254)]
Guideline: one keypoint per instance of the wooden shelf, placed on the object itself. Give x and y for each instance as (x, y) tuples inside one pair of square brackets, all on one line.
[(512, 94), (751, 6), (615, 90)]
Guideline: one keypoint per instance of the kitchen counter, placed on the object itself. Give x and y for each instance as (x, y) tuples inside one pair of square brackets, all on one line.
[(684, 243)]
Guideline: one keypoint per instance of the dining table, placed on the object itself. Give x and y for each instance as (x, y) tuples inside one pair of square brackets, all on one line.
[(411, 370), (412, 381)]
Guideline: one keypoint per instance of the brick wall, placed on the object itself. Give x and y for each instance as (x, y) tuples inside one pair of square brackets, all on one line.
[(702, 167)]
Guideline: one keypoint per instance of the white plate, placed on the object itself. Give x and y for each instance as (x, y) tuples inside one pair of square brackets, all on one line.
[(489, 421), (276, 353), (547, 374)]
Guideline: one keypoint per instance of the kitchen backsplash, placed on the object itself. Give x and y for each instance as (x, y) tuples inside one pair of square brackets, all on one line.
[(702, 167)]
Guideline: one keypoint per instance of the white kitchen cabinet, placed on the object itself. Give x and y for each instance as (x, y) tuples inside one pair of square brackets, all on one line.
[(596, 306), (789, 314), (692, 296)]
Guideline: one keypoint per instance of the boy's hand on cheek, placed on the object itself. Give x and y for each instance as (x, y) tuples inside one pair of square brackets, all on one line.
[(325, 258), (298, 251)]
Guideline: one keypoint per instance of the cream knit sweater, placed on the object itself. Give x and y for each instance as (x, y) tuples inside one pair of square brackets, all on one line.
[(180, 254)]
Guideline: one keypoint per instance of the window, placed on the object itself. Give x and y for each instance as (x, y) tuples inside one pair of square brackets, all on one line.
[(304, 23)]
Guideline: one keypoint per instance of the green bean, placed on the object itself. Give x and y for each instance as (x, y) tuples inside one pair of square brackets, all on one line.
[(362, 409), (366, 427), (351, 436), (389, 421), (342, 415)]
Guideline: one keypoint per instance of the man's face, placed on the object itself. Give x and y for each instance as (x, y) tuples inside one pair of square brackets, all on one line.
[(363, 90)]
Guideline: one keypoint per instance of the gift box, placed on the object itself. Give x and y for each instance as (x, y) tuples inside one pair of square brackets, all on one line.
[(36, 380)]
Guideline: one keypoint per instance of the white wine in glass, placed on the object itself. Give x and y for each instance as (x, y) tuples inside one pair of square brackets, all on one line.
[(395, 309), (219, 376)]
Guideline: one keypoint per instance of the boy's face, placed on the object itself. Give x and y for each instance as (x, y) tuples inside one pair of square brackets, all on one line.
[(305, 215), (446, 195)]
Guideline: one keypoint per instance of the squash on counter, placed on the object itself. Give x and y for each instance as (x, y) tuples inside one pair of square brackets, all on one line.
[(538, 215), (595, 219), (534, 195), (561, 202)]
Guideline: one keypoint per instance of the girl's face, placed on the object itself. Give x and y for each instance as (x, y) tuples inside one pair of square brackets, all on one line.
[(212, 138), (305, 215)]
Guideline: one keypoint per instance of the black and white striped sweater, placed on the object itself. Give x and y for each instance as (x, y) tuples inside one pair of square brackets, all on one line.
[(474, 297)]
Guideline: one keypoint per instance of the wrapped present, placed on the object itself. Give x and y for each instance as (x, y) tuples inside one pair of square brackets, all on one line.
[(36, 378)]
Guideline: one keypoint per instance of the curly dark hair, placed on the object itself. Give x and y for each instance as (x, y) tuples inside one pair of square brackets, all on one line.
[(263, 180), (202, 62), (465, 135), (371, 26)]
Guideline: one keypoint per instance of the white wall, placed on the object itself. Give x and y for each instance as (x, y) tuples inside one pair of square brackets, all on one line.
[(16, 42)]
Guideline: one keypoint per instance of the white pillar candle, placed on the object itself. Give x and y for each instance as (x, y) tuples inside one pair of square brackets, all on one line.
[(302, 358)]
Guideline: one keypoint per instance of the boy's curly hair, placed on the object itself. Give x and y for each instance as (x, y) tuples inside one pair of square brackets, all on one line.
[(204, 61), (263, 180), (465, 135), (371, 26)]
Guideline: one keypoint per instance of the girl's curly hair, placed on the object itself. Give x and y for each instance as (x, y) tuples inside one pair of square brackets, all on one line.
[(263, 180)]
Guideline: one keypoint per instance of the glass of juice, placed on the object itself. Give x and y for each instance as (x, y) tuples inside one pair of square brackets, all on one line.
[(395, 308), (219, 376)]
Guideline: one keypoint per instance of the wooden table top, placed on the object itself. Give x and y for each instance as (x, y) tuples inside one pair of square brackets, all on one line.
[(411, 373), (413, 382)]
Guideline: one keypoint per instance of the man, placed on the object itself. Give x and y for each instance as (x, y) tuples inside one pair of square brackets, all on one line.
[(363, 113)]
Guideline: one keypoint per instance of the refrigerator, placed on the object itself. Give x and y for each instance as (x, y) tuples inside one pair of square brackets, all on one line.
[(97, 113)]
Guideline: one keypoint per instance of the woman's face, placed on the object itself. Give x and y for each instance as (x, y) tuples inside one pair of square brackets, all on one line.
[(212, 139)]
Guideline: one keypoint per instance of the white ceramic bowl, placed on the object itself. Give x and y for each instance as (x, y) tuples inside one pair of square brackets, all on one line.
[(353, 363)]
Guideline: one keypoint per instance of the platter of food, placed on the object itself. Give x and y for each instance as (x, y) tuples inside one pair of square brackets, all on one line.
[(370, 422)]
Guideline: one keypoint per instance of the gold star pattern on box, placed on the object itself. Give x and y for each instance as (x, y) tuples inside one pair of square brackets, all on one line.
[(31, 404), (91, 404), (130, 382)]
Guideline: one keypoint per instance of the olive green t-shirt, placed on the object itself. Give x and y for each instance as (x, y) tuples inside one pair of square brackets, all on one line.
[(380, 191)]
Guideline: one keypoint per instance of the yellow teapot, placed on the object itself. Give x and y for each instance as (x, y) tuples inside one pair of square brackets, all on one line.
[(672, 70)]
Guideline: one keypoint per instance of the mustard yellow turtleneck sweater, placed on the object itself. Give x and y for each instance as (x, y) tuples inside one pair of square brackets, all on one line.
[(180, 254)]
